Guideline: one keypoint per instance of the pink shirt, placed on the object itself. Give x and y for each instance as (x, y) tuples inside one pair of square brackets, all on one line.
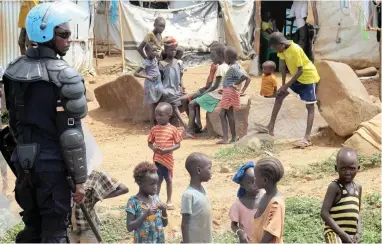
[(244, 216)]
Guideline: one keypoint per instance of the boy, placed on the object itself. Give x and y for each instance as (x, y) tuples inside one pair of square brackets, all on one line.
[(231, 94), (268, 81), (164, 138), (99, 186), (154, 38), (342, 202), (304, 80), (26, 6), (196, 209)]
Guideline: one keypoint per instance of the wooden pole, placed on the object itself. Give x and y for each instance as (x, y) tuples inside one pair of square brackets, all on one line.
[(121, 35), (107, 26), (258, 26), (95, 40)]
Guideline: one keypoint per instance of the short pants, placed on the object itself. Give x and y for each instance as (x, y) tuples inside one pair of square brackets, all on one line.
[(163, 172), (306, 92), (207, 102), (230, 98), (332, 238)]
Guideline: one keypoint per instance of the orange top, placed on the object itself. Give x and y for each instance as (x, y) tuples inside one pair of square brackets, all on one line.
[(211, 76), (164, 136), (271, 221), (268, 84)]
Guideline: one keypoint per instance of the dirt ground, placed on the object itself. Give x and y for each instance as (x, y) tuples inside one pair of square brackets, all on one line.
[(124, 145)]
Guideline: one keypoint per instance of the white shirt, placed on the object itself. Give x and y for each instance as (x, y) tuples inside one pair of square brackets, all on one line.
[(299, 10)]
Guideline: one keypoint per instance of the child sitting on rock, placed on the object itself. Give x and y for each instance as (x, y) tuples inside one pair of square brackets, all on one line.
[(268, 80)]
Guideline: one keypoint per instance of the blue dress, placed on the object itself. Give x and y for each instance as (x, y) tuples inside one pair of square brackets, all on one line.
[(153, 89), (171, 75)]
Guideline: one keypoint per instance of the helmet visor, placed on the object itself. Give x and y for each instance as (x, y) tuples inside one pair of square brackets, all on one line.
[(67, 8)]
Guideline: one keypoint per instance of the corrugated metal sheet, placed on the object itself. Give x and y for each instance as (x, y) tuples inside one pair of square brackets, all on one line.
[(9, 31)]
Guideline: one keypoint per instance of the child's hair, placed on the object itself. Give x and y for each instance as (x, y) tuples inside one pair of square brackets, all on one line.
[(344, 152), (143, 169), (276, 38), (166, 106), (159, 19), (269, 64), (231, 52), (219, 49), (148, 47), (179, 51), (271, 168), (193, 160)]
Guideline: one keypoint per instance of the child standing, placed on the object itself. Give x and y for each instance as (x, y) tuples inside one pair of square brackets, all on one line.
[(154, 38), (164, 138), (268, 81), (196, 209), (178, 56), (268, 226), (304, 80), (99, 186), (146, 215), (231, 94), (244, 209), (153, 87), (342, 202)]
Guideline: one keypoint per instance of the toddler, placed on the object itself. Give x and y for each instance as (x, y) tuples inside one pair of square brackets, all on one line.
[(268, 81)]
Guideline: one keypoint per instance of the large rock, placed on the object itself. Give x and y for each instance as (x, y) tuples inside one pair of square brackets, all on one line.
[(214, 126), (344, 101), (125, 96)]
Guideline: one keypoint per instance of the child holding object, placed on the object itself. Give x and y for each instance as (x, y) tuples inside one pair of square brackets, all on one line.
[(154, 38), (244, 209), (231, 94), (164, 138), (146, 215), (342, 202)]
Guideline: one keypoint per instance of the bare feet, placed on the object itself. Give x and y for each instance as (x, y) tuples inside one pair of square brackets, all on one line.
[(170, 206), (264, 129), (303, 143), (223, 142)]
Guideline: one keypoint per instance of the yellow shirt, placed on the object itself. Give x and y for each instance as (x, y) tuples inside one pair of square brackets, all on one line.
[(26, 6), (268, 84), (295, 57), (266, 25)]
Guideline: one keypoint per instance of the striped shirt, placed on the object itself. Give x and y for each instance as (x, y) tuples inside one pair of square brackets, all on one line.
[(234, 73), (164, 136), (346, 211)]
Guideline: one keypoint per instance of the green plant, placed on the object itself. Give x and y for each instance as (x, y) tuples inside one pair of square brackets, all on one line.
[(113, 225), (10, 235), (217, 237)]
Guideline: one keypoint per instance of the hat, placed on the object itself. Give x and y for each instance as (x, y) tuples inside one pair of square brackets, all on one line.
[(239, 176)]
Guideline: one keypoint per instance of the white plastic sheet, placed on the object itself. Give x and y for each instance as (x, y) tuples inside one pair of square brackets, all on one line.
[(94, 154)]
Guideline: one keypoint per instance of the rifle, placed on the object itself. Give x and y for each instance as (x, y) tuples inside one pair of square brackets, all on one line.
[(8, 145)]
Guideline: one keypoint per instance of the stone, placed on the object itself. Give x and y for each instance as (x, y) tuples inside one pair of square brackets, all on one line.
[(308, 178), (89, 95), (124, 96), (92, 82), (370, 71), (214, 126), (224, 170), (344, 101), (255, 141)]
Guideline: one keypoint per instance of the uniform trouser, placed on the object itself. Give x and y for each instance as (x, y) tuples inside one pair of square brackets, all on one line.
[(46, 208)]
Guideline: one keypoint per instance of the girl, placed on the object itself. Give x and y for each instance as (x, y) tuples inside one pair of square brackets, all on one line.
[(154, 38), (146, 215), (171, 78), (268, 226), (243, 210)]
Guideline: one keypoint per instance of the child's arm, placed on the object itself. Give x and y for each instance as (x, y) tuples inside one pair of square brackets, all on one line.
[(214, 86), (332, 192), (170, 149), (164, 214), (140, 49), (239, 232), (133, 224), (275, 92), (185, 228), (152, 146), (137, 74), (285, 87), (357, 236), (247, 81), (121, 189)]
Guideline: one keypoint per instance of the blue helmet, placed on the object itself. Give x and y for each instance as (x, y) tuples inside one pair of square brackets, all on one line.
[(42, 19)]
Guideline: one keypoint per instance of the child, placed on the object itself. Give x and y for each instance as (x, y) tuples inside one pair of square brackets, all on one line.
[(153, 87), (244, 209), (268, 81), (231, 94), (342, 203), (163, 140), (196, 209), (178, 56), (268, 25), (268, 226), (146, 215), (99, 186), (304, 80), (171, 74), (154, 38)]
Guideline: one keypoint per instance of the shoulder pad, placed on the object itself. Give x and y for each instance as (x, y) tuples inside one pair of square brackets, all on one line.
[(54, 67), (24, 69)]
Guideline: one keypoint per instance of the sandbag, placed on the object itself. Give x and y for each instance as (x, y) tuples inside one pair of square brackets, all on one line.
[(344, 101), (367, 139), (125, 96), (370, 71)]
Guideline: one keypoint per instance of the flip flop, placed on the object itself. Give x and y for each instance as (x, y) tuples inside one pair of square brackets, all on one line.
[(303, 144), (170, 207)]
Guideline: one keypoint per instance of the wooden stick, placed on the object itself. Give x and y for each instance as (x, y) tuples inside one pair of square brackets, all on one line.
[(95, 41), (121, 35), (107, 26)]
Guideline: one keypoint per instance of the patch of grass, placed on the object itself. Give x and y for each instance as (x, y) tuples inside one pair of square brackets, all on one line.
[(217, 237), (113, 225), (10, 235), (371, 218)]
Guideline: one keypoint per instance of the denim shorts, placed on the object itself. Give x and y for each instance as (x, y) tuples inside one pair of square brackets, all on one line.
[(307, 92)]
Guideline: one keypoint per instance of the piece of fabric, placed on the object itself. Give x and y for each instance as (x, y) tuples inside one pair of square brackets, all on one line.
[(170, 41), (299, 10), (272, 221), (197, 205), (230, 98), (207, 102), (152, 89), (150, 38), (268, 85), (221, 71), (239, 176), (97, 187), (294, 57), (171, 77), (164, 136), (151, 230), (86, 236), (234, 73), (26, 6), (163, 172), (306, 92)]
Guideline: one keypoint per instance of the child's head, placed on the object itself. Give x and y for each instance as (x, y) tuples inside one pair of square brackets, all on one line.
[(179, 53), (159, 25), (268, 171), (163, 113), (245, 176), (277, 42), (269, 67), (199, 166), (347, 164), (230, 55), (217, 53), (145, 175), (150, 51), (170, 47)]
